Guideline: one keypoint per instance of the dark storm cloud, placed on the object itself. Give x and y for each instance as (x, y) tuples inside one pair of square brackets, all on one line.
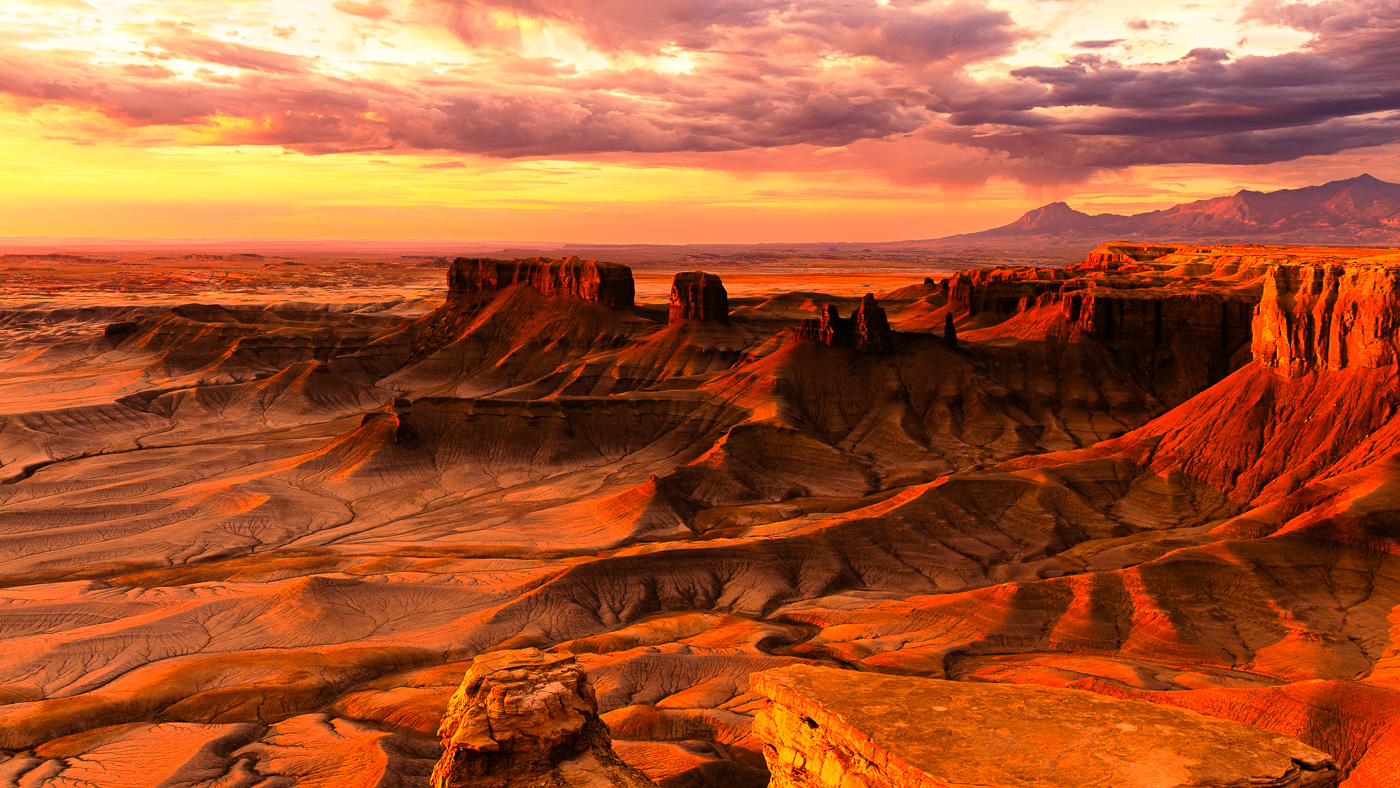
[(1341, 91)]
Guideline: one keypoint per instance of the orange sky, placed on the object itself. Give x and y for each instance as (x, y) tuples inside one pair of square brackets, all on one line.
[(669, 121)]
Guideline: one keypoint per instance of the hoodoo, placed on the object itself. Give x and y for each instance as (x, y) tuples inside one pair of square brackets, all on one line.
[(696, 295), (527, 718), (605, 284), (868, 330)]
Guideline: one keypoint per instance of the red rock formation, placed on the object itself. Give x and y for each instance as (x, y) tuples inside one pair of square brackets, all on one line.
[(1328, 316), (527, 718), (1108, 255), (830, 728), (867, 330), (1202, 317), (696, 295), (606, 284), (1001, 291), (872, 328)]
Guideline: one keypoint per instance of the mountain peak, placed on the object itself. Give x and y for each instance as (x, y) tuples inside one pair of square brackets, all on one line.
[(1362, 210), (1054, 216)]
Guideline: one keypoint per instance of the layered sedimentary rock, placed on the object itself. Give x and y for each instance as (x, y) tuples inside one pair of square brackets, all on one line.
[(1329, 315), (1181, 314), (829, 728), (696, 295), (1001, 291), (527, 719), (606, 284), (1106, 255), (867, 330)]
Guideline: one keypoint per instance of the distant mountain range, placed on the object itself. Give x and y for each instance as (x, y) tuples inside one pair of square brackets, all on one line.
[(1358, 211)]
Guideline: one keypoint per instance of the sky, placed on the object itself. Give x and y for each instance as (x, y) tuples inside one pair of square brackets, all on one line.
[(671, 121)]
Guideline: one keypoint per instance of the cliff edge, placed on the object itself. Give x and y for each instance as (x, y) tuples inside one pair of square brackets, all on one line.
[(830, 728), (605, 284)]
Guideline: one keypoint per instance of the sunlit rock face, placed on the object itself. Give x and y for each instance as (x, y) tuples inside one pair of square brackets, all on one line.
[(829, 728), (696, 295), (1328, 315), (527, 718), (605, 284)]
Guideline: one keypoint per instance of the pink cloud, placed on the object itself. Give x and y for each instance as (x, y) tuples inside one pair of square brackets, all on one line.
[(181, 43), (374, 9)]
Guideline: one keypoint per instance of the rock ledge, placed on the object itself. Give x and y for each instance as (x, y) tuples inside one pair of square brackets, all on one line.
[(843, 729)]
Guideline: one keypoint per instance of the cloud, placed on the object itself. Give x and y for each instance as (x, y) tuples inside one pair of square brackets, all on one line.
[(1149, 24), (179, 43), (374, 9), (725, 78), (925, 32), (1339, 92)]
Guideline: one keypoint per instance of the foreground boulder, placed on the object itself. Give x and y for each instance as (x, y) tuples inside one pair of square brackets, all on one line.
[(830, 728), (605, 284), (696, 295), (527, 719)]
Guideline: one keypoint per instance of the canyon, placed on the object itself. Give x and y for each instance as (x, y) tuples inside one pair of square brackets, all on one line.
[(261, 542)]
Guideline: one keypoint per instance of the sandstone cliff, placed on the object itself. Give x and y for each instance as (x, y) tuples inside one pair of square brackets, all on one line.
[(606, 284), (527, 719), (1332, 315), (830, 728), (1001, 291), (696, 295), (867, 330)]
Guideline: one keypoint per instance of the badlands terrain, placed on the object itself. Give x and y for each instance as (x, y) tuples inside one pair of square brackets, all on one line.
[(258, 516)]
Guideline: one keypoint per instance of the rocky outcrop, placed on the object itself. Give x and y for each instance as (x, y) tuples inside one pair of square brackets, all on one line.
[(1107, 255), (867, 330), (606, 284), (696, 295), (527, 719), (830, 728), (1002, 291), (1328, 316)]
